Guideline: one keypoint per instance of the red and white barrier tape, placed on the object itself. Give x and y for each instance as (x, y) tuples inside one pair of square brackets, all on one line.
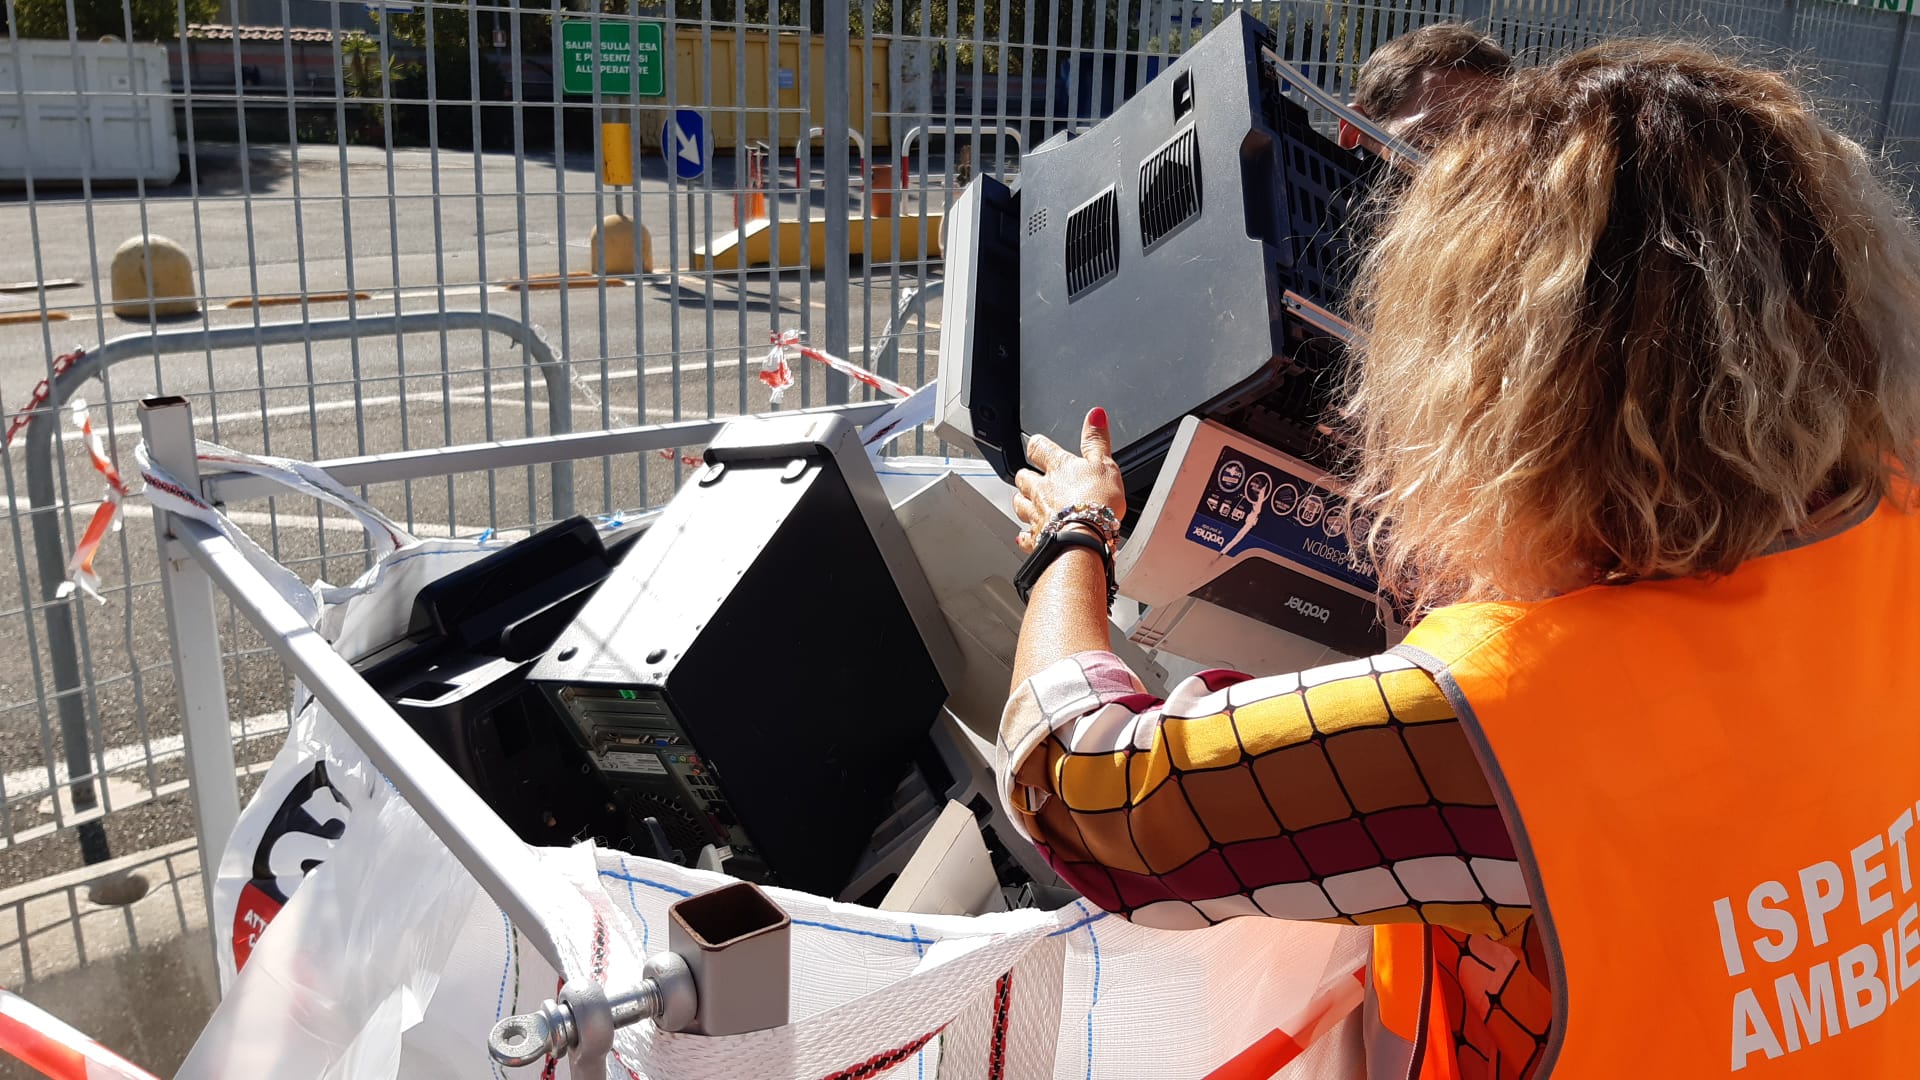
[(778, 374), (1279, 1048), (32, 1035), (164, 493), (685, 459), (916, 409), (106, 517), (40, 395)]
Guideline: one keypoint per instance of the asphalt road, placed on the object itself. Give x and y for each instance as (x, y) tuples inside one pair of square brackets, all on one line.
[(429, 234)]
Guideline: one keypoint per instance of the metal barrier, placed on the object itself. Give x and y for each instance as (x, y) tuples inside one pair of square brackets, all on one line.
[(920, 131), (42, 496), (803, 145)]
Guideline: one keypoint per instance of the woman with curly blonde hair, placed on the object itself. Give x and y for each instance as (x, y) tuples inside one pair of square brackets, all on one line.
[(1641, 402)]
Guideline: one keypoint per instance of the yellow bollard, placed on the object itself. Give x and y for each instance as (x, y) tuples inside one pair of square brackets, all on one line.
[(172, 273), (616, 154), (616, 236)]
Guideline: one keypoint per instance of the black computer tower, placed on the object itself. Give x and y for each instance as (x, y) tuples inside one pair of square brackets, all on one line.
[(762, 670)]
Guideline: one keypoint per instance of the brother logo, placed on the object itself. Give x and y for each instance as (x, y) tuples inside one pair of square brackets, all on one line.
[(1311, 611)]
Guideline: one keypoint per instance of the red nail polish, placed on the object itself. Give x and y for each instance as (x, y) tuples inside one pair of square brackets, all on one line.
[(1098, 417)]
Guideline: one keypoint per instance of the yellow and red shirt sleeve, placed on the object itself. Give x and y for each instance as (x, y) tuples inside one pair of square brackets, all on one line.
[(1347, 793)]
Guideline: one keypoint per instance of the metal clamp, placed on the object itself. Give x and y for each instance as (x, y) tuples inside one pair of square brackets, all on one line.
[(726, 971), (584, 1018)]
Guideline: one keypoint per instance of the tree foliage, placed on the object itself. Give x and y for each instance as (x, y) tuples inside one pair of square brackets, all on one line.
[(146, 20), (451, 35)]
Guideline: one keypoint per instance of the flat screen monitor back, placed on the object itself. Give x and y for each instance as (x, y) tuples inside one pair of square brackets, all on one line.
[(1157, 249)]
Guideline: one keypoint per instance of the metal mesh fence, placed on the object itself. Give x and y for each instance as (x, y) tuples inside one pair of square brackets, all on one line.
[(396, 212)]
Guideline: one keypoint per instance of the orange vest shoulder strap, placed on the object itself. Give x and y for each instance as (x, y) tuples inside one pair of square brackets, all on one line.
[(1447, 634)]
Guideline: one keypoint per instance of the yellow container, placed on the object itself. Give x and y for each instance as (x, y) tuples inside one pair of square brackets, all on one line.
[(734, 121), (756, 243), (616, 154)]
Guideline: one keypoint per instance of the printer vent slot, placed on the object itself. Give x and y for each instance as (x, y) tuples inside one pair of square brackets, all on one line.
[(1093, 243), (1169, 189)]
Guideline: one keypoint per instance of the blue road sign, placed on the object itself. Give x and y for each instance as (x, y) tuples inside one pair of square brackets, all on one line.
[(684, 140)]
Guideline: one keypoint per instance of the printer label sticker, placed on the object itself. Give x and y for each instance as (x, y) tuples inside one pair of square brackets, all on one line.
[(622, 761), (1252, 504)]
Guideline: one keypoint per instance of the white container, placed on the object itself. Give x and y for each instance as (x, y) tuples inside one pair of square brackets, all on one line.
[(100, 111)]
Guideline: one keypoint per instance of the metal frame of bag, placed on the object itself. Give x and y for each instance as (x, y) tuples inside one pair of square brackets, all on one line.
[(196, 559)]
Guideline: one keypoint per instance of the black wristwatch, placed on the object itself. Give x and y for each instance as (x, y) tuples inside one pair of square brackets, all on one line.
[(1049, 549)]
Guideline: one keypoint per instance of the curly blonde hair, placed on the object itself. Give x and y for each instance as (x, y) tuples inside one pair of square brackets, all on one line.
[(1643, 315)]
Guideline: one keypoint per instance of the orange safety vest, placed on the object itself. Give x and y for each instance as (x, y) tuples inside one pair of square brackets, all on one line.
[(1712, 787)]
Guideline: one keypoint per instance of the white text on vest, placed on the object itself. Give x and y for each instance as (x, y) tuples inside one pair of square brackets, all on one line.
[(1856, 955)]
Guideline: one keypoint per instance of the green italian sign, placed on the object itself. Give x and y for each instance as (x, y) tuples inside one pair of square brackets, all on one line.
[(628, 58)]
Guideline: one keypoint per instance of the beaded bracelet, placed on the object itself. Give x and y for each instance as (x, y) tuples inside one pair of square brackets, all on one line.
[(1101, 519)]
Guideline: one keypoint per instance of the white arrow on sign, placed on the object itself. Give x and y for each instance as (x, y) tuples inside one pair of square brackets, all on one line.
[(689, 146)]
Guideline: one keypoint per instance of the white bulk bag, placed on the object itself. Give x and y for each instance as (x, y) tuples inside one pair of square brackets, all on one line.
[(388, 961)]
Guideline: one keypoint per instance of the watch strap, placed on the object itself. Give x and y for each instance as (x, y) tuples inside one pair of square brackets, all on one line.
[(1050, 547)]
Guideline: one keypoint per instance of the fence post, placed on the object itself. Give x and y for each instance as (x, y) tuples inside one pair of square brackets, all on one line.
[(63, 650), (193, 635), (1476, 13), (1883, 113), (1783, 24), (839, 228)]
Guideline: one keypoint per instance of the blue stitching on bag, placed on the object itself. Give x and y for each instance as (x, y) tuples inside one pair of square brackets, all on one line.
[(500, 1002), (919, 1059), (1095, 940), (915, 940), (634, 903), (662, 886), (1065, 930)]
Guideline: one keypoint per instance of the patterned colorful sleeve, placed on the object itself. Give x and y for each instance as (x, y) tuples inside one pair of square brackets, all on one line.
[(1348, 793)]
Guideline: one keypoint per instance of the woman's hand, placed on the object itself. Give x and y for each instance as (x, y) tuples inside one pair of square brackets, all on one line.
[(1059, 480)]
